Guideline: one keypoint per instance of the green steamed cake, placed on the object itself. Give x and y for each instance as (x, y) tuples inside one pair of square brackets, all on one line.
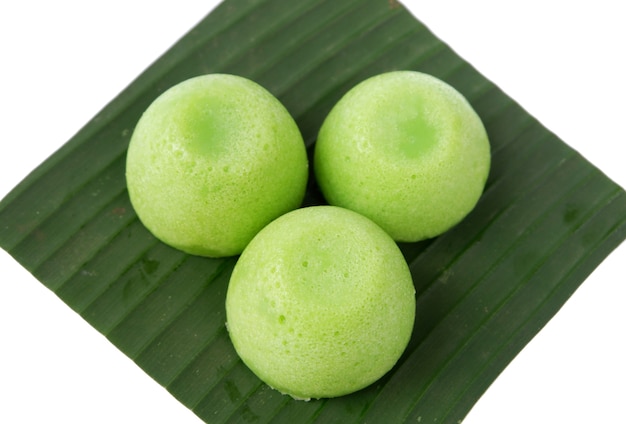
[(212, 161), (406, 150), (321, 303)]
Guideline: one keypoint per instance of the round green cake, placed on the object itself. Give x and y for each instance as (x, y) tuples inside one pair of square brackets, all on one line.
[(406, 150), (321, 303), (212, 161)]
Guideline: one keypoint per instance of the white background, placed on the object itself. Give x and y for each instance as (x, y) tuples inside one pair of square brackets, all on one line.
[(62, 61)]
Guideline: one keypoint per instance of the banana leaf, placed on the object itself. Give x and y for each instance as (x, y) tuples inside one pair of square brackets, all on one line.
[(484, 289)]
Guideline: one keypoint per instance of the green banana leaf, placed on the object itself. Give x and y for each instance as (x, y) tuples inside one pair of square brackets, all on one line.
[(484, 289)]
